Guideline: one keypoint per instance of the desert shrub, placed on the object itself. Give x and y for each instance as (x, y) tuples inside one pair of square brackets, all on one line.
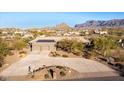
[(64, 55), (27, 40), (4, 51), (104, 45), (86, 54), (77, 52), (22, 52), (60, 67), (62, 73), (19, 44), (68, 45), (1, 60), (11, 53), (57, 54), (54, 54), (120, 58)]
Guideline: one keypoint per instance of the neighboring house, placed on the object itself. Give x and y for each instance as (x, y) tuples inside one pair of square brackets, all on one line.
[(72, 33), (4, 32), (97, 32), (67, 34), (121, 41), (19, 32), (103, 32), (87, 33), (27, 35), (100, 32)]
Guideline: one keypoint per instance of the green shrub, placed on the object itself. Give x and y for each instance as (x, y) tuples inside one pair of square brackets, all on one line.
[(68, 45), (27, 40), (4, 49), (19, 44), (104, 45)]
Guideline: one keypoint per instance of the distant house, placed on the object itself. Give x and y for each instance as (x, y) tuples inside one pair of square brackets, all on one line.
[(87, 33), (121, 41), (66, 34), (19, 33), (74, 33), (97, 32), (4, 32), (100, 32), (103, 32), (27, 35)]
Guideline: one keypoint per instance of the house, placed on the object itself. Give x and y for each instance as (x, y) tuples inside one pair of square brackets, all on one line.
[(100, 32), (103, 32), (96, 31), (87, 33), (4, 32), (19, 33), (74, 33), (27, 35), (121, 41), (66, 34)]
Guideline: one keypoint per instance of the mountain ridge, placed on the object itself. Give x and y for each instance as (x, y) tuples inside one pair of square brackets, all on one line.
[(101, 23)]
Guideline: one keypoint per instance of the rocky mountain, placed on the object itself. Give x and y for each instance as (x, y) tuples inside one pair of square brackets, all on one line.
[(101, 23), (63, 27)]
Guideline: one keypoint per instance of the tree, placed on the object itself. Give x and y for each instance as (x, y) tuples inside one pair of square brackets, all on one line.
[(19, 44), (104, 45), (4, 51), (73, 46)]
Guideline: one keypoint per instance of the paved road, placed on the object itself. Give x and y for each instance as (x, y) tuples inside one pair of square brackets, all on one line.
[(37, 59)]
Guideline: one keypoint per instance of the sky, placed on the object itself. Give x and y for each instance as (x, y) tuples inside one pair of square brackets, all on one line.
[(49, 19)]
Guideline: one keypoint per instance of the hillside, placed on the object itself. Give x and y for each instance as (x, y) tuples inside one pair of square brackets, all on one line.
[(101, 23)]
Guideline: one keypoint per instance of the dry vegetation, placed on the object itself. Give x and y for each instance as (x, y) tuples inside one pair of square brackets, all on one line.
[(12, 51)]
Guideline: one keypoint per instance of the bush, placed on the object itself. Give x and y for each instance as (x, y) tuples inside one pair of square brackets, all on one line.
[(64, 55), (62, 73), (4, 51), (68, 45), (60, 67), (104, 45), (121, 58), (1, 61), (54, 54), (19, 44), (22, 52), (77, 52), (27, 40), (46, 76)]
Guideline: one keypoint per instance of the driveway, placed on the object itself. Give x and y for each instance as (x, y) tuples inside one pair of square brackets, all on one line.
[(37, 59)]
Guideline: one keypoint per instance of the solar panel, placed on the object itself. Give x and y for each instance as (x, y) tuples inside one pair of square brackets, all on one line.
[(43, 41)]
